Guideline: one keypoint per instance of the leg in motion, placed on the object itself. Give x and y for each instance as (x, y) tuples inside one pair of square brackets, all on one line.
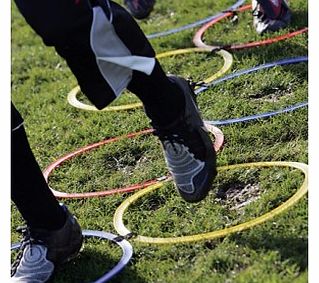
[(140, 9), (169, 103), (270, 15), (52, 235), (114, 54)]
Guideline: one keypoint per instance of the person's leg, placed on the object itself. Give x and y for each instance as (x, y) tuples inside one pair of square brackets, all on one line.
[(162, 99), (121, 48), (270, 15), (119, 55), (108, 57), (52, 234), (139, 9), (107, 52), (29, 190)]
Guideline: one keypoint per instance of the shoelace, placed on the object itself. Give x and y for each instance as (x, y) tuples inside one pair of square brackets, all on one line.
[(26, 241), (181, 135), (170, 138)]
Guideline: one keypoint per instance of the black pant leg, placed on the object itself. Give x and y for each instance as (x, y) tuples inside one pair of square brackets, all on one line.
[(29, 190)]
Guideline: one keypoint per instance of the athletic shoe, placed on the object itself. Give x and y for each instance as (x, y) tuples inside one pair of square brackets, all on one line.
[(140, 9), (42, 250), (188, 149), (271, 16)]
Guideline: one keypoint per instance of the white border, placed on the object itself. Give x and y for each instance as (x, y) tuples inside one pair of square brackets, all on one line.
[(313, 142), (5, 55)]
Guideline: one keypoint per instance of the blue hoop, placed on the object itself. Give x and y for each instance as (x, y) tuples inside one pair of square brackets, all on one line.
[(120, 241), (282, 62), (194, 24)]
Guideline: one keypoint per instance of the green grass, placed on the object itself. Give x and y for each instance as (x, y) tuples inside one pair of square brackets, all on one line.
[(275, 251)]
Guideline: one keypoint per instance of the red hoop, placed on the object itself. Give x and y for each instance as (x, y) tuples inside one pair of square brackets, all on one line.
[(219, 140), (197, 40)]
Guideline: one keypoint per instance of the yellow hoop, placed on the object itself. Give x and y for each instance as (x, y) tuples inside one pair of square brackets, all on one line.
[(228, 60), (122, 230)]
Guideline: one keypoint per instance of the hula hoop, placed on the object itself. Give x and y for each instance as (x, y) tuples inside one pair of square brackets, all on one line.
[(197, 39), (194, 24), (282, 62), (258, 116), (228, 60), (122, 230), (219, 140), (126, 247)]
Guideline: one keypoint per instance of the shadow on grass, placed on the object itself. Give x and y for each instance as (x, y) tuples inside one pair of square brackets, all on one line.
[(90, 265), (293, 249), (276, 51), (299, 19)]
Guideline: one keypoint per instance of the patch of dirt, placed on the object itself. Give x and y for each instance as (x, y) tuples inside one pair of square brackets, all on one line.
[(272, 94), (237, 196)]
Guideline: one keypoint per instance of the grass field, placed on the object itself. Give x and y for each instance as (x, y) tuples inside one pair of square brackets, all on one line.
[(275, 251)]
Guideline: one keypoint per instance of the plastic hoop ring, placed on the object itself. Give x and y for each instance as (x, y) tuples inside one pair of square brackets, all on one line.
[(228, 60), (219, 140), (122, 230), (258, 116), (197, 40), (282, 62), (126, 247), (194, 24)]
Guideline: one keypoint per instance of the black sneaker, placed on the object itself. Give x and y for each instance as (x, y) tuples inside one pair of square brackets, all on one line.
[(42, 250), (140, 9), (188, 149), (270, 18)]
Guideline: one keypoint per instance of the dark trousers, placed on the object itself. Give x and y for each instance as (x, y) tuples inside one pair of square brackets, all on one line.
[(69, 25)]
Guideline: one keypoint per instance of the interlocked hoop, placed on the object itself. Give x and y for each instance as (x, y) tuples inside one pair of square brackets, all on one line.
[(228, 60), (194, 24), (282, 62), (219, 140), (122, 230), (197, 40), (127, 251)]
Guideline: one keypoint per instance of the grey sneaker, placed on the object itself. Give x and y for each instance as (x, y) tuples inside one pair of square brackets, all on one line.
[(270, 16), (188, 149), (139, 9), (42, 250)]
